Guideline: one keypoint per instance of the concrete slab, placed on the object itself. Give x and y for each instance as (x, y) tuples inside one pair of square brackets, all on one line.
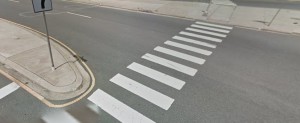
[(184, 9), (253, 17), (41, 65), (7, 48), (142, 6), (221, 13), (287, 21)]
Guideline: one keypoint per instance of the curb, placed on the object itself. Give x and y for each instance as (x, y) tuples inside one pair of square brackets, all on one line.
[(185, 18), (38, 96)]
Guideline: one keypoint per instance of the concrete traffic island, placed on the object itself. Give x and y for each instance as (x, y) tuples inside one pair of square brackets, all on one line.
[(24, 58)]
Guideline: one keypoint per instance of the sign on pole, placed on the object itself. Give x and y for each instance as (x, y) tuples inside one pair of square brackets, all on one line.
[(42, 6)]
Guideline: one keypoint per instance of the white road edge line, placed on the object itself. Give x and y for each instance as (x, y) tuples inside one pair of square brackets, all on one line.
[(188, 48), (79, 15), (207, 32), (210, 28), (170, 64), (143, 91), (180, 55), (14, 1), (156, 75), (179, 38), (214, 25), (117, 109), (6, 90), (201, 36)]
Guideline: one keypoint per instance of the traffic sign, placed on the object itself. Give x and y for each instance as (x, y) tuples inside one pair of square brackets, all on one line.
[(41, 5)]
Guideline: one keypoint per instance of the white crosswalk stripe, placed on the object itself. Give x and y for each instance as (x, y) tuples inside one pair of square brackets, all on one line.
[(200, 36), (156, 75), (207, 32), (214, 25), (117, 109), (93, 108), (145, 92), (194, 41), (59, 117), (170, 64), (189, 48), (8, 89), (210, 28), (180, 55)]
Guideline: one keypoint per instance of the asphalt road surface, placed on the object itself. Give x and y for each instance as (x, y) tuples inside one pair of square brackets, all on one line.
[(247, 77)]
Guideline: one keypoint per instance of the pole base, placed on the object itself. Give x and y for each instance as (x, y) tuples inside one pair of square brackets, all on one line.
[(52, 68)]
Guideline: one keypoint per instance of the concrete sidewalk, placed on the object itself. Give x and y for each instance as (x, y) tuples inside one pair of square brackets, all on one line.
[(221, 11), (24, 55)]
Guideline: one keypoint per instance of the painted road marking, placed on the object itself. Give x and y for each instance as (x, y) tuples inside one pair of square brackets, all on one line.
[(206, 32), (14, 1), (214, 25), (93, 108), (59, 117), (180, 55), (145, 92), (79, 15), (170, 64), (210, 28), (156, 75), (8, 89), (189, 48), (200, 36), (117, 109), (194, 41)]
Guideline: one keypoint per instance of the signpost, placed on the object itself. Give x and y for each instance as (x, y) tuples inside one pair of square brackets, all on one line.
[(42, 6)]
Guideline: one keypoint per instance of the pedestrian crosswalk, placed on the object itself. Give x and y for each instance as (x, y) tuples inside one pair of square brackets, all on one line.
[(180, 55), (117, 109), (156, 75), (189, 48), (188, 40), (214, 25), (170, 64), (200, 36), (207, 32), (193, 44), (145, 92), (210, 28), (59, 117)]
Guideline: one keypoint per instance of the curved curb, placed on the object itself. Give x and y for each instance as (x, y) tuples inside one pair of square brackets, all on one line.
[(35, 94)]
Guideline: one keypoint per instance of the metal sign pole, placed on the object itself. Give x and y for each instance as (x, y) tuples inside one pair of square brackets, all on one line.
[(51, 57)]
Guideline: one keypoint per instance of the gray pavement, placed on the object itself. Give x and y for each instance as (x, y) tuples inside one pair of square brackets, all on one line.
[(252, 76)]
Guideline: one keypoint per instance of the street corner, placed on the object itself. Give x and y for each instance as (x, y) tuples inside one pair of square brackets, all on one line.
[(25, 59)]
